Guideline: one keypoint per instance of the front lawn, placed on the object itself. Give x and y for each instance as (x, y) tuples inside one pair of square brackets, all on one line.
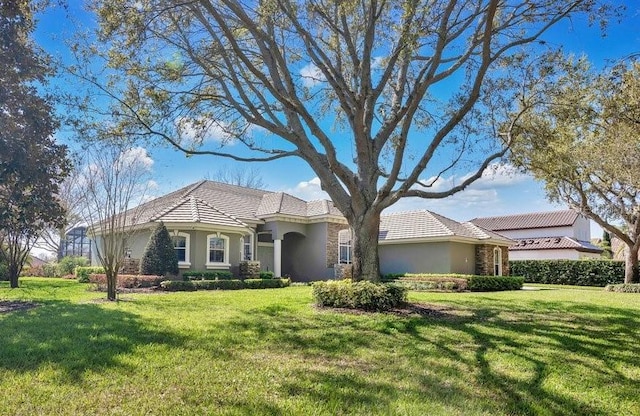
[(557, 351)]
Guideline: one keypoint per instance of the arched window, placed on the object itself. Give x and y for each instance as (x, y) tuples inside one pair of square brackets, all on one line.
[(181, 242), (344, 247), (217, 251), (497, 261)]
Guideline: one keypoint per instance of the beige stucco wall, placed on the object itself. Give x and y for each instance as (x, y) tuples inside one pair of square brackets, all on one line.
[(550, 255), (436, 257)]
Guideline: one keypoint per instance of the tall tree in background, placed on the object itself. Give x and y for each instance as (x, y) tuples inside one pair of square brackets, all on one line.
[(380, 98), (583, 141), (116, 181), (32, 165), (248, 178)]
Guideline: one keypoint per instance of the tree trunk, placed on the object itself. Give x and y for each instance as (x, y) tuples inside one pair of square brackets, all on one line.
[(366, 262), (13, 276), (631, 264), (112, 278)]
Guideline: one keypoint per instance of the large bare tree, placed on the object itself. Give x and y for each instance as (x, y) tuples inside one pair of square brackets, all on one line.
[(380, 98), (115, 181), (583, 141)]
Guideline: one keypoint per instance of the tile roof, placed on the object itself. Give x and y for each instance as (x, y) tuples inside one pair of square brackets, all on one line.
[(554, 243), (426, 224), (526, 221), (196, 210)]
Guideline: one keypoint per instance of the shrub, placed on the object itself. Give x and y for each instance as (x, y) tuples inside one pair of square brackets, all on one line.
[(359, 295), (430, 282), (495, 283), (83, 273), (208, 275), (228, 284), (267, 275), (4, 271), (159, 256), (569, 272), (127, 281), (178, 285), (266, 283), (49, 270), (624, 288), (68, 264)]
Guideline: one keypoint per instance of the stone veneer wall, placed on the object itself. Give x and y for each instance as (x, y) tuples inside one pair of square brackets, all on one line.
[(332, 242), (484, 260), (342, 271), (130, 266), (249, 269)]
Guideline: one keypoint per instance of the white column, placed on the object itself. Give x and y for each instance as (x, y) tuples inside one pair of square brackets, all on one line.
[(277, 257)]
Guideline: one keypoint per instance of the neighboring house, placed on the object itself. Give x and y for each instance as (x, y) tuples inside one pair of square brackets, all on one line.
[(76, 243), (216, 226), (545, 235)]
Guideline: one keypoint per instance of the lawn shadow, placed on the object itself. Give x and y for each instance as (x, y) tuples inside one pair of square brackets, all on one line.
[(73, 339), (514, 332)]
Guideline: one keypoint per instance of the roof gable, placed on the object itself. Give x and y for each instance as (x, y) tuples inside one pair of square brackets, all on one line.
[(198, 211)]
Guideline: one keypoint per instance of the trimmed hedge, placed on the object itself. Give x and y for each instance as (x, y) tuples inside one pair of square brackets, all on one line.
[(227, 284), (363, 295), (267, 275), (266, 283), (494, 283), (569, 272), (207, 275), (430, 282), (83, 273), (624, 288), (127, 281)]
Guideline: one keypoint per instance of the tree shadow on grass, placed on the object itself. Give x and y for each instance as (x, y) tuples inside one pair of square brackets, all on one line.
[(73, 339), (598, 338)]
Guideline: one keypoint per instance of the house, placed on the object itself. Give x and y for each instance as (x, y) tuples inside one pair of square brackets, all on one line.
[(217, 226), (544, 235)]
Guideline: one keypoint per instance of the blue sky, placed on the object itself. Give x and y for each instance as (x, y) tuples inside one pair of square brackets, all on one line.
[(501, 191)]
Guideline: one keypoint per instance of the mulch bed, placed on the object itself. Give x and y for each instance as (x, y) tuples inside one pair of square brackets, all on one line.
[(7, 306), (411, 310)]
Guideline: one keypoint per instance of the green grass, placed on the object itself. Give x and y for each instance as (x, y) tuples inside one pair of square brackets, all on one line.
[(558, 351)]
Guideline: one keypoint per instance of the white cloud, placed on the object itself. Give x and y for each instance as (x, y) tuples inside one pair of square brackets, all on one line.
[(308, 190), (311, 76), (204, 130), (136, 156)]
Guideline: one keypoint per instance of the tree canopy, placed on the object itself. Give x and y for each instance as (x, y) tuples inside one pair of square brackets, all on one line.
[(32, 164), (380, 98), (582, 140)]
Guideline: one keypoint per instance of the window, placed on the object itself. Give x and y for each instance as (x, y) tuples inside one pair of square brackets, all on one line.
[(497, 261), (217, 250), (246, 247), (344, 246), (181, 247)]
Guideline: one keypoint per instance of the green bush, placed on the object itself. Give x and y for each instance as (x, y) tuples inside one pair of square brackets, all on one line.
[(359, 295), (267, 275), (159, 258), (178, 285), (494, 283), (569, 272), (228, 284), (624, 288), (68, 264), (207, 275), (266, 283), (4, 271), (83, 273), (430, 282), (50, 270)]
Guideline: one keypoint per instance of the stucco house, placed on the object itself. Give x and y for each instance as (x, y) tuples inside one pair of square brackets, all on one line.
[(550, 235), (217, 226)]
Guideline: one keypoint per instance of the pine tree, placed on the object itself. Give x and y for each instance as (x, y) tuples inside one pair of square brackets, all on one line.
[(159, 256)]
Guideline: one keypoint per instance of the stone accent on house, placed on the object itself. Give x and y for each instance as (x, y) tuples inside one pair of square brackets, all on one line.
[(342, 271), (484, 260), (249, 270), (130, 266), (332, 242)]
